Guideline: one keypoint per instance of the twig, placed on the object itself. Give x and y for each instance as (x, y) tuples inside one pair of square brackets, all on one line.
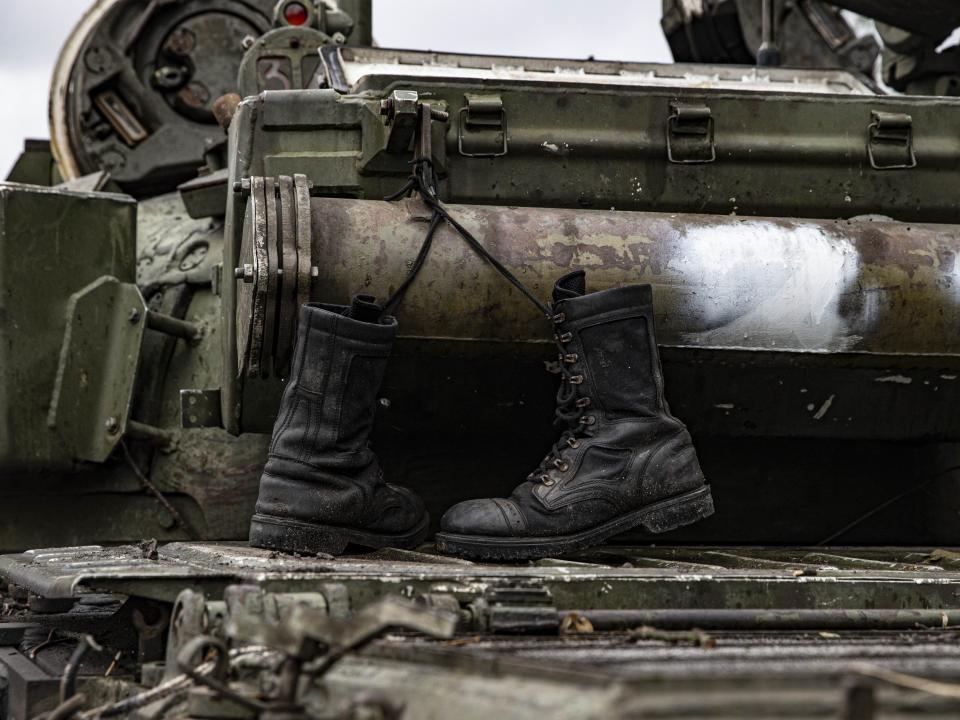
[(911, 682), (152, 489), (697, 637), (887, 503)]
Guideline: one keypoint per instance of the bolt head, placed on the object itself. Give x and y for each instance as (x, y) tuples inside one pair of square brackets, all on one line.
[(112, 425), (244, 273), (134, 316)]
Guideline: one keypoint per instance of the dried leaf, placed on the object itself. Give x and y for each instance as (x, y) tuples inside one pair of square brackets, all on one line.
[(575, 624)]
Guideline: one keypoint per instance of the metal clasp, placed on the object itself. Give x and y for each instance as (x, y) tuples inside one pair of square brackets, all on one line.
[(690, 135), (891, 136), (483, 127)]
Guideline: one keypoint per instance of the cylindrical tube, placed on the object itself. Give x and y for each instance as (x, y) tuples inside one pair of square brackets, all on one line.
[(719, 281), (765, 619)]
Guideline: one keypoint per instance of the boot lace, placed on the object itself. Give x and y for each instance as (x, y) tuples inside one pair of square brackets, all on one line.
[(571, 415)]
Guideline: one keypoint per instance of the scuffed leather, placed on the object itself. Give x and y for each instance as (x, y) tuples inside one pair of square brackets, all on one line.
[(320, 468), (636, 453)]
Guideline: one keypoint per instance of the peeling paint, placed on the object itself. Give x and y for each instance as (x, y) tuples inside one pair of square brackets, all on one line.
[(563, 149), (899, 379), (819, 415)]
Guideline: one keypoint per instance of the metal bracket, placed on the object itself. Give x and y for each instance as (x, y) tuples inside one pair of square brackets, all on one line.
[(515, 609), (690, 135), (200, 409), (90, 405), (402, 115), (483, 127), (892, 135)]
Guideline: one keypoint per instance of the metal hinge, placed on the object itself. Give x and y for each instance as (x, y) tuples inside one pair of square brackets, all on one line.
[(515, 609), (690, 133), (890, 142), (483, 127)]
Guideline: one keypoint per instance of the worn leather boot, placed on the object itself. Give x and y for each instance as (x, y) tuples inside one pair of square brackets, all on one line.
[(622, 461), (322, 487)]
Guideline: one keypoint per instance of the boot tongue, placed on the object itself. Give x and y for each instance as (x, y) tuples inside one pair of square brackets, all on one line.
[(365, 309), (571, 285)]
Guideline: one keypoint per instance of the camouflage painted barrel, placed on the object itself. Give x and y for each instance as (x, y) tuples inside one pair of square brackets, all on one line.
[(770, 327), (719, 281)]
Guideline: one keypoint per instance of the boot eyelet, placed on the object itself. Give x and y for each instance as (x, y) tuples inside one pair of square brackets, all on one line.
[(560, 318), (576, 380), (571, 358), (574, 443), (547, 480), (561, 465), (588, 420), (566, 337), (584, 403)]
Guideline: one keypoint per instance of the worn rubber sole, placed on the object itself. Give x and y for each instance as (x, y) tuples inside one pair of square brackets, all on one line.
[(659, 517), (293, 536)]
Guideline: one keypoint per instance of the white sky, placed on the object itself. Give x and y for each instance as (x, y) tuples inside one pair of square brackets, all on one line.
[(31, 34)]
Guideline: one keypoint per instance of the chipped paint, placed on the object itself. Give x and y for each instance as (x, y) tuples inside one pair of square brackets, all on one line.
[(898, 379), (819, 415), (562, 149), (719, 282)]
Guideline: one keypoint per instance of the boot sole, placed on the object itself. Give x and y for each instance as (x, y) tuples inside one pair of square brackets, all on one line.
[(660, 517), (293, 536)]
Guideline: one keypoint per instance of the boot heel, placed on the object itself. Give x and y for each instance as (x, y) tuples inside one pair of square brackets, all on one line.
[(294, 537), (678, 511)]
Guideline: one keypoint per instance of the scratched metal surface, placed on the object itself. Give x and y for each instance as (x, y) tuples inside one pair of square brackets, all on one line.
[(613, 676), (729, 282), (606, 578)]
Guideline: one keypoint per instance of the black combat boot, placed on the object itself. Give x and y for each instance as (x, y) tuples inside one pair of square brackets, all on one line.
[(622, 462), (323, 488)]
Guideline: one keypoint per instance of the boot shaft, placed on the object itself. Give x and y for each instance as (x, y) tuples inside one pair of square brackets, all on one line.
[(610, 337), (338, 366)]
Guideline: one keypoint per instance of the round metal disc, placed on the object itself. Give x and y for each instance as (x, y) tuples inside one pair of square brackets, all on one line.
[(304, 239), (258, 318), (288, 283), (245, 293), (134, 83), (273, 285)]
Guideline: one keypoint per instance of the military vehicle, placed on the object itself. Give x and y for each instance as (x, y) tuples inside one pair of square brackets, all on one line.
[(213, 164)]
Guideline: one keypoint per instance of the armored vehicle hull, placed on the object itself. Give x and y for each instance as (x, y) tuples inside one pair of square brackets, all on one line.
[(800, 232)]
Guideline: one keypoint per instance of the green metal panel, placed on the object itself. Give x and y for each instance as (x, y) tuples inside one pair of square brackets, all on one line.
[(788, 155), (54, 244)]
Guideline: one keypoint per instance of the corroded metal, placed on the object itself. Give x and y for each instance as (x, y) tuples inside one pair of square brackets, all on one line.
[(719, 281)]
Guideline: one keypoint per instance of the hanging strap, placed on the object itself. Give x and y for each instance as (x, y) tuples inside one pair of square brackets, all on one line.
[(423, 182)]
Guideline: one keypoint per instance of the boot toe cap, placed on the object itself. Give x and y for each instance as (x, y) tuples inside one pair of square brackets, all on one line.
[(499, 518)]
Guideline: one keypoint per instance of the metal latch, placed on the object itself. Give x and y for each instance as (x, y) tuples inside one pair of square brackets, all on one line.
[(690, 135), (483, 127), (890, 143)]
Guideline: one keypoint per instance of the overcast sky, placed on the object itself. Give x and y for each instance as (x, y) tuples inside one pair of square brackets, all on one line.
[(31, 34)]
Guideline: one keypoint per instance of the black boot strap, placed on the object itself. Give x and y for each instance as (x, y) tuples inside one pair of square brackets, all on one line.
[(422, 181)]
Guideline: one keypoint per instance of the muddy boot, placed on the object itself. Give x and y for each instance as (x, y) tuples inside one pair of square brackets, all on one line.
[(622, 461), (323, 488)]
